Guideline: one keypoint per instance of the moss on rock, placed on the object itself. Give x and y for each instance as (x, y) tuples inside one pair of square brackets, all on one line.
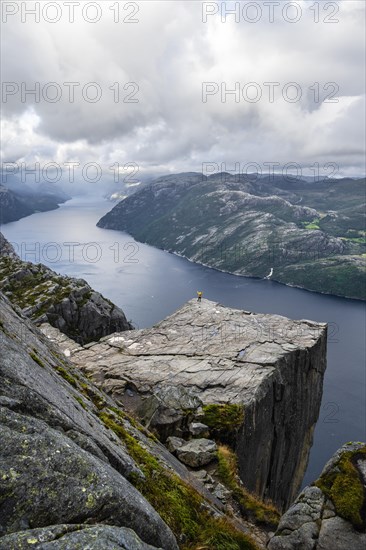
[(179, 505), (250, 506), (224, 420), (343, 485)]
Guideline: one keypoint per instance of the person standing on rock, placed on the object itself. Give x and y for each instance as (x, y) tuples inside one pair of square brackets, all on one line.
[(199, 295)]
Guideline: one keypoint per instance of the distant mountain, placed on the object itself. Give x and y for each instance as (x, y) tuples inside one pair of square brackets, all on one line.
[(18, 200), (312, 234)]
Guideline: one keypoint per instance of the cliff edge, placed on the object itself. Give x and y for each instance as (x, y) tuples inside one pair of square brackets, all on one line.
[(68, 304), (254, 380), (76, 471)]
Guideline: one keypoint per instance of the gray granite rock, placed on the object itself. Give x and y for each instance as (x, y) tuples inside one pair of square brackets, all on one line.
[(338, 534), (59, 464), (174, 443), (204, 354), (68, 304), (199, 429), (221, 492), (197, 452), (71, 537), (313, 523)]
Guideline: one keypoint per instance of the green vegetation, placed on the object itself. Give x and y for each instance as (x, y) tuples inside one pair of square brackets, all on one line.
[(250, 505), (180, 506), (32, 287), (345, 488), (314, 224), (95, 397), (331, 275), (35, 358), (66, 376), (124, 416), (223, 420), (80, 400)]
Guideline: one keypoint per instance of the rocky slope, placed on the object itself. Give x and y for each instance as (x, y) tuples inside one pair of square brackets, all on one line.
[(76, 471), (254, 381), (69, 304), (311, 234), (331, 514)]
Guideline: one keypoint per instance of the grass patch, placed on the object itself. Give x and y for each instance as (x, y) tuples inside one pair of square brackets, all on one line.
[(94, 396), (81, 402), (179, 505), (224, 420), (66, 376), (251, 506), (312, 225), (35, 358), (344, 487)]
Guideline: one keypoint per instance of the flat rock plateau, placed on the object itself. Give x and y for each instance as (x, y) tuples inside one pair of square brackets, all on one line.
[(254, 379)]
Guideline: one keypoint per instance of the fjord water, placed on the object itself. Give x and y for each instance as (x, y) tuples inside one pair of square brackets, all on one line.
[(149, 284)]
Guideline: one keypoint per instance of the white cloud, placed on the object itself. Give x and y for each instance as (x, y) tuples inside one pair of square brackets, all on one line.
[(169, 53)]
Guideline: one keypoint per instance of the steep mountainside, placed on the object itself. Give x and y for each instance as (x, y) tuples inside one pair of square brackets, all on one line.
[(76, 471), (69, 304), (18, 201), (311, 234)]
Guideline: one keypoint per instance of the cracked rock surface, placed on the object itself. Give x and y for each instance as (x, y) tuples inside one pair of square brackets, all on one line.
[(313, 521), (204, 354)]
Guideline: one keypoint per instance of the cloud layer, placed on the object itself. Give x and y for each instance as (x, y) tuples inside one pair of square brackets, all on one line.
[(169, 53)]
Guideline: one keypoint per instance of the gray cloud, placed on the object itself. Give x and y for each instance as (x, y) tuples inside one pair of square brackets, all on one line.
[(169, 53)]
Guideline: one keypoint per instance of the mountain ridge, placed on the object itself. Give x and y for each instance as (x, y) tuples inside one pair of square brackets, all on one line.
[(247, 227)]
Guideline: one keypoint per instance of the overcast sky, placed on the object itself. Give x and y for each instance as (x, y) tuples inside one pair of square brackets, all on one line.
[(169, 52)]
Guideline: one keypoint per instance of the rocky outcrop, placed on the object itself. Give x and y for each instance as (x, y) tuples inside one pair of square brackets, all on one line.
[(76, 471), (331, 514), (59, 463), (255, 380), (309, 234), (6, 249), (68, 304)]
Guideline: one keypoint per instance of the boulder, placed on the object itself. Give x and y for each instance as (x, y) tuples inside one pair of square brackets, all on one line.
[(197, 452), (174, 443), (197, 429), (329, 515), (168, 410)]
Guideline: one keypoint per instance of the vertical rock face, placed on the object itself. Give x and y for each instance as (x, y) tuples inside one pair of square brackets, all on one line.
[(255, 380), (331, 514), (68, 304), (273, 458)]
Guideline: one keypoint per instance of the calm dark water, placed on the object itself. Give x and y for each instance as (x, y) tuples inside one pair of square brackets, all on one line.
[(149, 284)]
